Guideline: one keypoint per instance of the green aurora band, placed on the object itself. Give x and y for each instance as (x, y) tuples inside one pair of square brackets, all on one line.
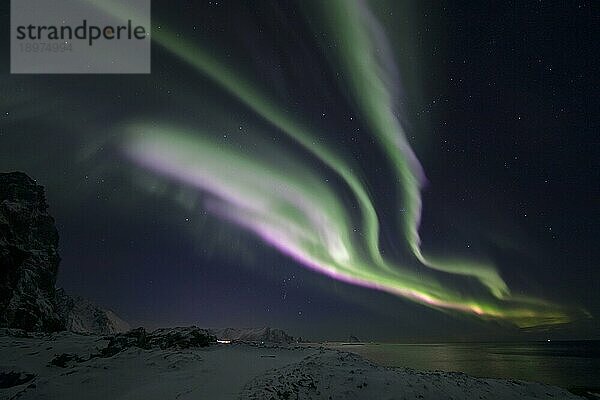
[(294, 211), (362, 51), (311, 225)]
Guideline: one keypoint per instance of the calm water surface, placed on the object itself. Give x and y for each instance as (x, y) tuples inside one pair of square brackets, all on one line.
[(566, 364)]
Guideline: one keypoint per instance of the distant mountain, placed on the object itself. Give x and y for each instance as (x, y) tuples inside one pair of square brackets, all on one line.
[(267, 335), (82, 316), (29, 265), (353, 339)]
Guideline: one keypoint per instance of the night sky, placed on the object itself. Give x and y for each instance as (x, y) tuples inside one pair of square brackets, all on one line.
[(272, 168)]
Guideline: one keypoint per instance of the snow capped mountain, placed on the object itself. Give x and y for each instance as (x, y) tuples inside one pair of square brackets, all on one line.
[(82, 316)]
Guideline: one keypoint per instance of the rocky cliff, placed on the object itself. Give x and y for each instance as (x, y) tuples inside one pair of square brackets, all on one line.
[(28, 256), (29, 265)]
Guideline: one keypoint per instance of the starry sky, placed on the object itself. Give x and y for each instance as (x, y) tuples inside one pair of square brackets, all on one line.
[(398, 171)]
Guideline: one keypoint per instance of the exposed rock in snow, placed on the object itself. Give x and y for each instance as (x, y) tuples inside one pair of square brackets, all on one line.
[(181, 338), (28, 256), (10, 379), (267, 335), (166, 338), (82, 316)]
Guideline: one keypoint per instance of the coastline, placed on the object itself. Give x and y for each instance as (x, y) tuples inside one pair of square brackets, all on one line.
[(229, 371), (570, 364)]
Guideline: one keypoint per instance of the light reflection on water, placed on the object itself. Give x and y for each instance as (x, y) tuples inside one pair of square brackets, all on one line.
[(566, 364)]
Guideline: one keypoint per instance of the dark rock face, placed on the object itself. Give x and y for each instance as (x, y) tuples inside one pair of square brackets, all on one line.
[(167, 338), (29, 264), (181, 338), (66, 360), (134, 338), (28, 256), (12, 378)]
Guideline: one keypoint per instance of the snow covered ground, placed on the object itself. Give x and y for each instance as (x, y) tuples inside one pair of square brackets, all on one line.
[(340, 375), (59, 367)]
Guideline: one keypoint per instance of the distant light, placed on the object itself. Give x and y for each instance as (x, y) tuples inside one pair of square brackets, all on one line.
[(547, 340), (224, 341)]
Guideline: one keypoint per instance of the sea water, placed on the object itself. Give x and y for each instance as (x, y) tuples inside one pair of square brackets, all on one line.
[(562, 363)]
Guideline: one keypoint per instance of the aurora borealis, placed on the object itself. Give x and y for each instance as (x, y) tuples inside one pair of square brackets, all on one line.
[(290, 129), (307, 222), (297, 214)]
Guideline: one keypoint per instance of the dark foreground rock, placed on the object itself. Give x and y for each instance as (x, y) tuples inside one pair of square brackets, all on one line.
[(167, 338), (12, 378)]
